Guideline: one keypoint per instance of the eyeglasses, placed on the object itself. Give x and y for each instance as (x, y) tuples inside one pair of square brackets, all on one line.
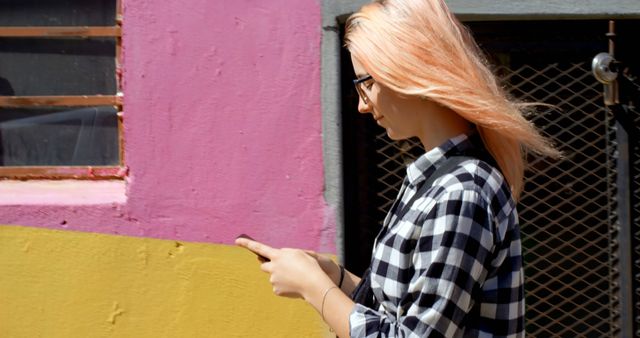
[(359, 83)]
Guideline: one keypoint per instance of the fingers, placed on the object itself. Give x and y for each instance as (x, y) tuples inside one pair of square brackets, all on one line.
[(258, 248), (311, 253), (266, 267)]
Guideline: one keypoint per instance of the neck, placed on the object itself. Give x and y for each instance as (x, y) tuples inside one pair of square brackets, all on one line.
[(440, 125)]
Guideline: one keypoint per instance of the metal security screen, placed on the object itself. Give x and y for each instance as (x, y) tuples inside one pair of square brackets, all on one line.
[(567, 223), (568, 212)]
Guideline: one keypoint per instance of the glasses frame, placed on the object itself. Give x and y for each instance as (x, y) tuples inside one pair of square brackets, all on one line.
[(361, 91)]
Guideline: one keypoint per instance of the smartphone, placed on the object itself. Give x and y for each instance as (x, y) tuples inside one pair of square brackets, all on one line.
[(260, 257)]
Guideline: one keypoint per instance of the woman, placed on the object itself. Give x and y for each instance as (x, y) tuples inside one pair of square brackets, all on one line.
[(447, 262)]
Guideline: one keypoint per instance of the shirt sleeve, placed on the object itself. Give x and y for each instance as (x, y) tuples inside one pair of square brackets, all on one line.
[(450, 264)]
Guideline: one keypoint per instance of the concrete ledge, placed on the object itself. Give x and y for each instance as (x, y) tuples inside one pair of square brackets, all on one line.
[(63, 192)]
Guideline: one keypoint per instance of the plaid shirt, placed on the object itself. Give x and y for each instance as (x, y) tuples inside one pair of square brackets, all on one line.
[(452, 266)]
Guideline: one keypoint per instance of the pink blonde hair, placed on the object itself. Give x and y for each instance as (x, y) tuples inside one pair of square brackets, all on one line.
[(418, 48)]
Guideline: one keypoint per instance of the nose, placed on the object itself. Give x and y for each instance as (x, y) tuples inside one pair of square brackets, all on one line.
[(363, 107)]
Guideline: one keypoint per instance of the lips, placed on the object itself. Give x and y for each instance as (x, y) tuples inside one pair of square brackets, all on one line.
[(378, 120)]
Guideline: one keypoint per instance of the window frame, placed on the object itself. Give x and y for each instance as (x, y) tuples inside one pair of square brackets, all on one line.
[(70, 172)]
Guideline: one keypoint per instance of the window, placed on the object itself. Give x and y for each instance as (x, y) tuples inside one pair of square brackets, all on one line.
[(60, 93)]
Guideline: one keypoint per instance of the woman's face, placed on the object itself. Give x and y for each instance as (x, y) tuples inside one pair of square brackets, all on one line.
[(399, 115)]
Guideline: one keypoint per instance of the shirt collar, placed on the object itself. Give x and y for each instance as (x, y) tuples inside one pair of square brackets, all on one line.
[(426, 164)]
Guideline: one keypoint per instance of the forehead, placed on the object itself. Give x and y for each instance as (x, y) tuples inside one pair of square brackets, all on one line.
[(357, 67)]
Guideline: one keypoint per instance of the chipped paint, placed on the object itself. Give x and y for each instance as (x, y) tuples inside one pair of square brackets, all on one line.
[(115, 312)]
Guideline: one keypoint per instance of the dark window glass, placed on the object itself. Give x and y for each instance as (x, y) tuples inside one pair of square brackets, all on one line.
[(59, 136), (69, 66), (57, 12)]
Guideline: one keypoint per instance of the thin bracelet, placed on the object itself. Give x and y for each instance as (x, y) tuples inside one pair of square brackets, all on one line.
[(341, 275), (324, 298)]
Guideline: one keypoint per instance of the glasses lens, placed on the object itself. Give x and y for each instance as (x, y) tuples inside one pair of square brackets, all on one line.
[(361, 92)]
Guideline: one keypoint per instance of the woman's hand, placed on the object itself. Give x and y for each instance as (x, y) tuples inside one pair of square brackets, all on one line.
[(305, 274), (328, 265), (294, 272)]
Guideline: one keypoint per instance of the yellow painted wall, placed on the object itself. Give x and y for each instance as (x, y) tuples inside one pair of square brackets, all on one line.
[(72, 284)]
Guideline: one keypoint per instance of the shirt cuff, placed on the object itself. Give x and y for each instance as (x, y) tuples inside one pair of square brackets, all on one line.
[(363, 322)]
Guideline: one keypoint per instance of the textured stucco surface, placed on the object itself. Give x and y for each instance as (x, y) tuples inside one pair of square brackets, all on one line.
[(77, 284), (222, 128)]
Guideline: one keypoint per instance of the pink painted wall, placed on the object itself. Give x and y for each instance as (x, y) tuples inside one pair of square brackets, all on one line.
[(222, 127)]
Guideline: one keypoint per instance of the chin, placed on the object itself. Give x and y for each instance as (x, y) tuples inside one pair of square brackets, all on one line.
[(394, 136)]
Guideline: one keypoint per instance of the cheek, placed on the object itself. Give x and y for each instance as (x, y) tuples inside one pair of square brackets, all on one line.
[(389, 109), (388, 102), (381, 102)]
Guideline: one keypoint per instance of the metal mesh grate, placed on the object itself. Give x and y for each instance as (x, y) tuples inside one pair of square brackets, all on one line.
[(567, 211), (394, 157)]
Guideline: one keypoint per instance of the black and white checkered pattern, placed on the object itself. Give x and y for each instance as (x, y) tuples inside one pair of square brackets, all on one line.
[(452, 266)]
